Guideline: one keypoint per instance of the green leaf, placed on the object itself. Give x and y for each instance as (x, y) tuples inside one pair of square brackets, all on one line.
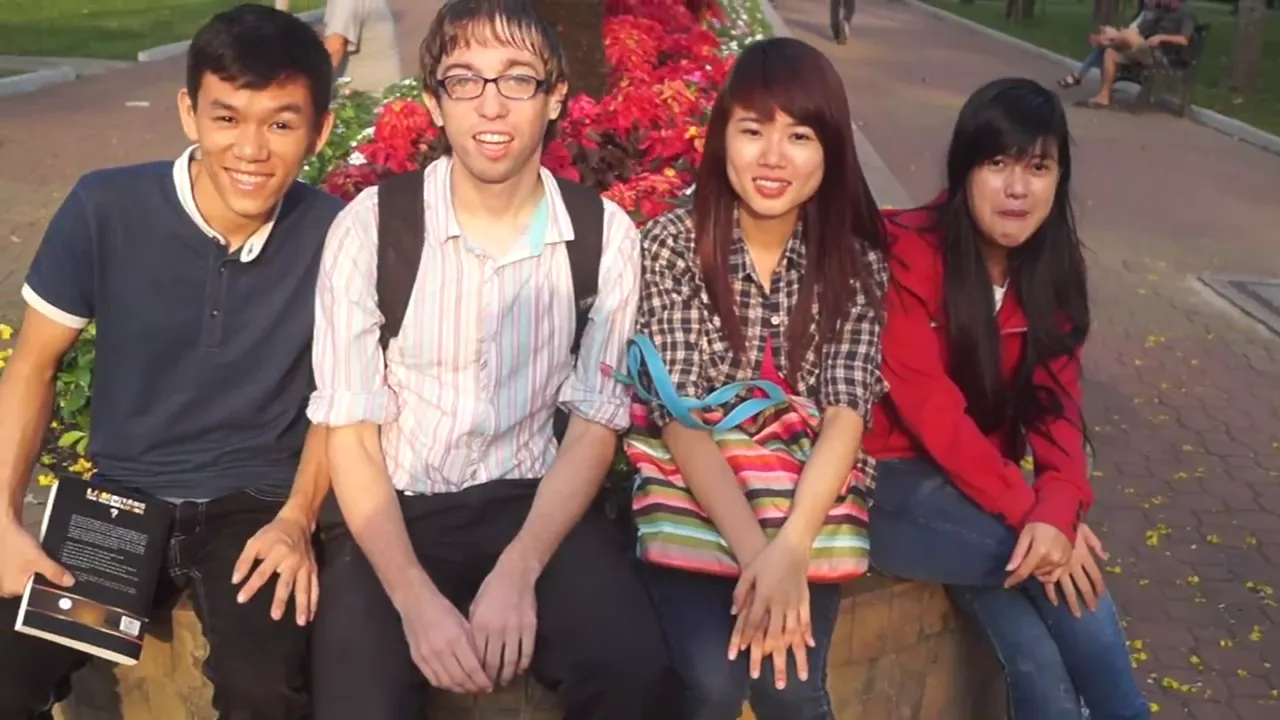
[(71, 437)]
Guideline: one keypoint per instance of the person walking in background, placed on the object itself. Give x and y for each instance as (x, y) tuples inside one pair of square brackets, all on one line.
[(360, 36), (841, 16)]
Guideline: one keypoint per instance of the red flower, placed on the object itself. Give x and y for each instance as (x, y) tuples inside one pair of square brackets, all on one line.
[(557, 158)]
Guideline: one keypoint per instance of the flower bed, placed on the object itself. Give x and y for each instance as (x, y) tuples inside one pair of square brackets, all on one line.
[(639, 145)]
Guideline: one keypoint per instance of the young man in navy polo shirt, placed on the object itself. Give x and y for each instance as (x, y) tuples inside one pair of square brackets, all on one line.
[(200, 275)]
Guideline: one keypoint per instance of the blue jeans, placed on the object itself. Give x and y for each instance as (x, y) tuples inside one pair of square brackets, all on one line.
[(1092, 60), (923, 528), (694, 612)]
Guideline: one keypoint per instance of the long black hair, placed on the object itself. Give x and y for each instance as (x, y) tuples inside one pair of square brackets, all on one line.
[(1015, 118)]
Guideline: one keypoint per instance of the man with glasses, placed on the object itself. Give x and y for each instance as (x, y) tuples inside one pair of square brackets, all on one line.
[(451, 323)]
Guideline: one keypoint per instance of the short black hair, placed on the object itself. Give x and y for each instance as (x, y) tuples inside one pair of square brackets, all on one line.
[(256, 46)]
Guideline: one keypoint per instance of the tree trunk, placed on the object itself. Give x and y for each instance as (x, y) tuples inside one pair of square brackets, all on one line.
[(1104, 12), (1018, 10), (580, 26), (1247, 49)]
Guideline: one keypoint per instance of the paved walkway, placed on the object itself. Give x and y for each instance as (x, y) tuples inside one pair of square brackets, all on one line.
[(1182, 392)]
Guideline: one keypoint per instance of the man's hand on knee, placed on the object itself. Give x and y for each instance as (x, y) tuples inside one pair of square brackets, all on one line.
[(282, 547), (504, 620)]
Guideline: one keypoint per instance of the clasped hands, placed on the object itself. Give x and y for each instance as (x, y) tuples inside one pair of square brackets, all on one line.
[(1044, 552), (489, 646), (771, 603)]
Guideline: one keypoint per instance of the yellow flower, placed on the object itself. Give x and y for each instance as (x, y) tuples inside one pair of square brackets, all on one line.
[(6, 332), (46, 479)]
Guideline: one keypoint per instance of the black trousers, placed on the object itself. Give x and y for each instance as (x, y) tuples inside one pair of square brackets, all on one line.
[(257, 665), (598, 646), (841, 12)]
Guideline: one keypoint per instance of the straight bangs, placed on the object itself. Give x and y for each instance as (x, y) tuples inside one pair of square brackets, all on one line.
[(787, 79), (1014, 120), (515, 24)]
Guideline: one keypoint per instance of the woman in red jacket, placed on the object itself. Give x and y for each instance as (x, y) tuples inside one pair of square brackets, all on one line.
[(986, 314)]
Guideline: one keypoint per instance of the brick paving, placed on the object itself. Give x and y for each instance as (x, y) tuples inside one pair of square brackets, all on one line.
[(1180, 390)]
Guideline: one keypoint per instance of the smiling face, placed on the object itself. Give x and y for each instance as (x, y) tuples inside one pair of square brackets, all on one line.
[(774, 164), (252, 146), (1010, 198), (493, 101)]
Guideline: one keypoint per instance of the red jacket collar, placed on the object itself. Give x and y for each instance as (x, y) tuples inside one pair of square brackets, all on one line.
[(915, 262)]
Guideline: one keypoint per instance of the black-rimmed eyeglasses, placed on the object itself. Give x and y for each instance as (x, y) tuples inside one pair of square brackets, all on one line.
[(513, 86)]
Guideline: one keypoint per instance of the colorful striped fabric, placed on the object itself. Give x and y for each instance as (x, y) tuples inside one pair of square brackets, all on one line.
[(766, 451)]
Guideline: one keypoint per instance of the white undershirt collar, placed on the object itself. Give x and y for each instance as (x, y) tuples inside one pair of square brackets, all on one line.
[(186, 195)]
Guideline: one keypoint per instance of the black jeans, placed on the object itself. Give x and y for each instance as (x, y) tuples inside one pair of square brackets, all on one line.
[(257, 665), (598, 646)]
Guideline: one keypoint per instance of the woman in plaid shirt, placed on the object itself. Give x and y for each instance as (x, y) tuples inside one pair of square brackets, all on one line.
[(775, 273)]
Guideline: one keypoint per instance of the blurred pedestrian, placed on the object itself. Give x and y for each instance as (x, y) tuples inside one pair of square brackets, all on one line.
[(841, 16), (361, 38)]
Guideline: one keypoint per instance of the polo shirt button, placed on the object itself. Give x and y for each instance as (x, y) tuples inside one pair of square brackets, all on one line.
[(213, 313)]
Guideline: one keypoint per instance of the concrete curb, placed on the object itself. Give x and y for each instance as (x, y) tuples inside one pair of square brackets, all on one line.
[(164, 52), (884, 185), (1223, 124), (36, 79)]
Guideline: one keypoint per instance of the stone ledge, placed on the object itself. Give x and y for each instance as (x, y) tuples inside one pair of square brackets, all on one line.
[(36, 79), (900, 651)]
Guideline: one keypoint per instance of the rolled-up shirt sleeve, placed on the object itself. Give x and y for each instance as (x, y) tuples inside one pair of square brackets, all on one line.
[(850, 375), (346, 356), (589, 391), (671, 312)]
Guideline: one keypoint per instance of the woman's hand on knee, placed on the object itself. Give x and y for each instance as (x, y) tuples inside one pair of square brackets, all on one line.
[(1081, 579), (771, 602), (1041, 549)]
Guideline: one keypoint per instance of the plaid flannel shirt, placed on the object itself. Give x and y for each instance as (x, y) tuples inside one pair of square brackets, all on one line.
[(676, 313)]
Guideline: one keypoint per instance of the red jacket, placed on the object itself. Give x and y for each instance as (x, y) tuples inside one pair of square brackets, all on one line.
[(923, 414)]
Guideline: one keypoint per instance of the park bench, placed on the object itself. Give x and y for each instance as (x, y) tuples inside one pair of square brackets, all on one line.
[(900, 651), (1183, 73)]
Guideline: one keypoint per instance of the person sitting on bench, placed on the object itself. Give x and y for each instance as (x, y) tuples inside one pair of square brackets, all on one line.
[(1101, 40), (1162, 37)]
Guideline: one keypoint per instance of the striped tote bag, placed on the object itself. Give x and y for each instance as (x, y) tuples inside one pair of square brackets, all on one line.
[(766, 436)]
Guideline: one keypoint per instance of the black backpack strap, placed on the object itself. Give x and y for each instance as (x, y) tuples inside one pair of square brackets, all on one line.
[(586, 212), (401, 230)]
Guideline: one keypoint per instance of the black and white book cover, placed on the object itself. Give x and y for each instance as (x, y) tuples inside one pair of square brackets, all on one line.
[(113, 542)]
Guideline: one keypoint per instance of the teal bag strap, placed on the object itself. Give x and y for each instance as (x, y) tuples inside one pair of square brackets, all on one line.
[(643, 355)]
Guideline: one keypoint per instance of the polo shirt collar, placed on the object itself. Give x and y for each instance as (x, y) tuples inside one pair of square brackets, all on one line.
[(186, 195)]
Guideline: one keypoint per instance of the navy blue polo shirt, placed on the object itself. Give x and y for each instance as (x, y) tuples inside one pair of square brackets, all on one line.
[(203, 364)]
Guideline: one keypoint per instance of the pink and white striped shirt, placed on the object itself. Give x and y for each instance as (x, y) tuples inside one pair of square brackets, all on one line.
[(467, 390)]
